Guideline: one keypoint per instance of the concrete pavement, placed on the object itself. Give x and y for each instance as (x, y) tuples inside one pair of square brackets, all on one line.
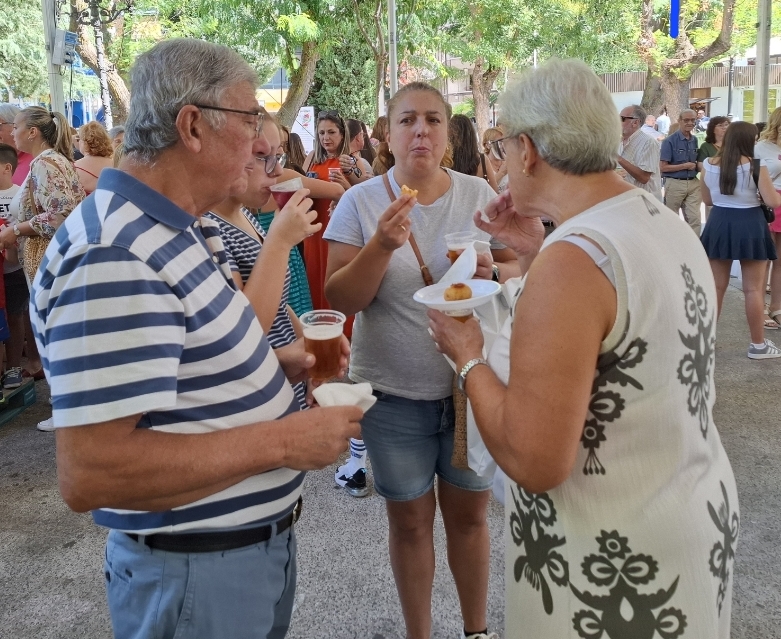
[(51, 582)]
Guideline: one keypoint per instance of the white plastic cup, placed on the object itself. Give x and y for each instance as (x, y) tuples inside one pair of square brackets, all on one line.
[(457, 242)]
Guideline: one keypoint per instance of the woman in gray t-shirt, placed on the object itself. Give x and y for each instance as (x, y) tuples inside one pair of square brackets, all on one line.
[(373, 273)]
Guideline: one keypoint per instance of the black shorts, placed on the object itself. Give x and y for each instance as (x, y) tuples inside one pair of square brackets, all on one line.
[(17, 295)]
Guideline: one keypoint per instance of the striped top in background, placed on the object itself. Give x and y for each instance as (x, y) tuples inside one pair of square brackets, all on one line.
[(242, 251), (135, 312), (300, 299)]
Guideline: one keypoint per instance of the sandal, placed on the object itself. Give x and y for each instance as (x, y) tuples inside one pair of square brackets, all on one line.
[(775, 317)]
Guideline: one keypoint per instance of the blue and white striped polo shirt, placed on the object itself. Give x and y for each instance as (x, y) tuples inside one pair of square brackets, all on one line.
[(135, 311)]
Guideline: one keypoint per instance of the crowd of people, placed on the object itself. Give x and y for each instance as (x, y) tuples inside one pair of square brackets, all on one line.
[(165, 285), (736, 168)]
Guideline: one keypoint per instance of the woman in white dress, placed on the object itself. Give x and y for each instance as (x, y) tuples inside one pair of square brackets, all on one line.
[(622, 510)]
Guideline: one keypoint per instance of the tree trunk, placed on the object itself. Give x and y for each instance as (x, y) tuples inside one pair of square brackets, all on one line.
[(300, 84), (675, 93), (653, 99), (379, 82), (685, 59), (120, 96), (103, 64), (483, 78)]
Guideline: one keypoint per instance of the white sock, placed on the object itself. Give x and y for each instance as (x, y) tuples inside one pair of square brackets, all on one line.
[(760, 346), (357, 454)]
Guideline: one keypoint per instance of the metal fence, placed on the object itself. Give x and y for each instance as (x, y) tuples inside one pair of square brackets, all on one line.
[(701, 78)]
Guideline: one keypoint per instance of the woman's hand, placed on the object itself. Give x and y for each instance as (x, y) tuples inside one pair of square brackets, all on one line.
[(460, 341), (347, 163), (7, 238), (340, 179), (393, 227), (296, 221), (524, 235), (485, 266)]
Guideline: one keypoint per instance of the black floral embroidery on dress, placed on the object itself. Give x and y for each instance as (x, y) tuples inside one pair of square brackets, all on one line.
[(723, 552), (606, 406), (696, 367), (528, 523), (624, 613)]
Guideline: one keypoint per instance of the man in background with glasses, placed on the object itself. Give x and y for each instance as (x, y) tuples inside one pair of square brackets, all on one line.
[(176, 423), (638, 157), (678, 164)]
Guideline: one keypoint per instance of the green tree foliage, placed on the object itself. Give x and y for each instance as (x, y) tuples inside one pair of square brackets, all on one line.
[(23, 71), (707, 31), (22, 52), (294, 31), (344, 81), (493, 35)]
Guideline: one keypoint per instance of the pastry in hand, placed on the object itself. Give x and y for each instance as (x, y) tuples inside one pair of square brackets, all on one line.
[(405, 190), (456, 292)]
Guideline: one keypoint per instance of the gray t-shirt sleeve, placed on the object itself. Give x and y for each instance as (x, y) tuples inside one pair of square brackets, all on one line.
[(345, 223)]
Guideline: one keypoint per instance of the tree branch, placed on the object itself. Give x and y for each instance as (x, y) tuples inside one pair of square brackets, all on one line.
[(723, 41), (364, 33)]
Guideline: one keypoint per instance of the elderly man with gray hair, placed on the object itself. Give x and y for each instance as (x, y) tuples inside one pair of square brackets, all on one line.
[(678, 164), (175, 421), (638, 156), (116, 133)]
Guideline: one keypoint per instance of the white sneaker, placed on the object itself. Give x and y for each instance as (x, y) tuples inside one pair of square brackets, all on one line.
[(352, 480), (769, 351), (47, 425)]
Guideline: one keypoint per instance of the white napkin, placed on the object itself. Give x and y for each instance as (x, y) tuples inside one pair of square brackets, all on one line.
[(465, 266), (340, 394)]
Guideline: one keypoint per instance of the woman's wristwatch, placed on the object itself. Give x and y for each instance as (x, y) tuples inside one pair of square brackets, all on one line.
[(465, 371), (494, 272)]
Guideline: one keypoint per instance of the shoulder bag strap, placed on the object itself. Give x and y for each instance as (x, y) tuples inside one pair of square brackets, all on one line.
[(482, 163), (427, 279), (33, 205)]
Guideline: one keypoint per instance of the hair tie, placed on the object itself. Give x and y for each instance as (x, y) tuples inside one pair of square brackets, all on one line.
[(51, 115)]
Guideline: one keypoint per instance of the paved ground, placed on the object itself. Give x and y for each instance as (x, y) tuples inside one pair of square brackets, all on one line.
[(50, 559)]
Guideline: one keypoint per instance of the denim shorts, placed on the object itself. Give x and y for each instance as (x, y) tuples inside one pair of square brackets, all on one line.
[(409, 443)]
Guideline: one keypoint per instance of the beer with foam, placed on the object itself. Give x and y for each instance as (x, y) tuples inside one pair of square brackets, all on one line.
[(323, 338)]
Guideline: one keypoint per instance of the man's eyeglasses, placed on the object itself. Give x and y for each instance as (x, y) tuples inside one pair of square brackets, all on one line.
[(688, 120), (624, 118), (272, 161), (258, 114), (497, 146)]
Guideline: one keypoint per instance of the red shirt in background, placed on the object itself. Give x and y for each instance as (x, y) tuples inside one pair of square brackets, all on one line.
[(22, 167)]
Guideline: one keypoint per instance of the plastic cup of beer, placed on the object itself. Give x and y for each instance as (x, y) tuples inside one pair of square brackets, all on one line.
[(456, 243), (323, 338), (283, 191)]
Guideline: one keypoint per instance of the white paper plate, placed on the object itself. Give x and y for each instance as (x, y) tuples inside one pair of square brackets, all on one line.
[(434, 296)]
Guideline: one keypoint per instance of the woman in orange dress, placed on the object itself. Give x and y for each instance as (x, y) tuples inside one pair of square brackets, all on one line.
[(331, 161)]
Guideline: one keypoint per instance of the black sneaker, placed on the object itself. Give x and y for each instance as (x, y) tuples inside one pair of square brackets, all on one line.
[(354, 484)]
